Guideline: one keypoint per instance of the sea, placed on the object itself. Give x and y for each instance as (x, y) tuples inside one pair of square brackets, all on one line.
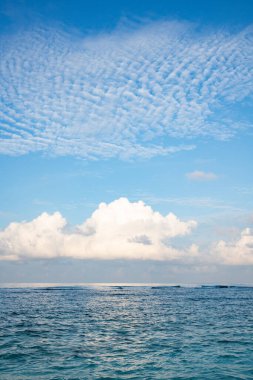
[(123, 331)]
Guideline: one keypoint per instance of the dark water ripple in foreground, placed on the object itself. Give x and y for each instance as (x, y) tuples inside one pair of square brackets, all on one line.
[(126, 333)]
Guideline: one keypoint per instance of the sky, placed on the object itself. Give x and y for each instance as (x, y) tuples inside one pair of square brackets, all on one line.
[(126, 141)]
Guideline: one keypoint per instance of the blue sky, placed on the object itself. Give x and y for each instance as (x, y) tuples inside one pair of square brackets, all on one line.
[(133, 105)]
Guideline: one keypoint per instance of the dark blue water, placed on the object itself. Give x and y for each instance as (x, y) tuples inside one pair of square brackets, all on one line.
[(126, 333)]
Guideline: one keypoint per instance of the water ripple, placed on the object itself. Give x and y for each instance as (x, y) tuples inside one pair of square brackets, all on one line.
[(126, 333)]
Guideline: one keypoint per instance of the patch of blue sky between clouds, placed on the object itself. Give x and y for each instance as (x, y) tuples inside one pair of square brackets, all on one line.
[(138, 91)]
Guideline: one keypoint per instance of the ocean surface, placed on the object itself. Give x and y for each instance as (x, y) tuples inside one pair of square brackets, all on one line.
[(126, 332)]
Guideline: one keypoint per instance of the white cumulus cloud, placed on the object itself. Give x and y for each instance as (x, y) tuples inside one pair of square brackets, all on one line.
[(239, 252), (118, 230), (199, 175)]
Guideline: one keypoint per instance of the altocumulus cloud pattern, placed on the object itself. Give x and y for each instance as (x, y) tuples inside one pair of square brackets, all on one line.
[(125, 93)]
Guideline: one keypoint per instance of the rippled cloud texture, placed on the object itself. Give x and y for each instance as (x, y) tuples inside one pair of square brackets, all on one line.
[(123, 93), (118, 230)]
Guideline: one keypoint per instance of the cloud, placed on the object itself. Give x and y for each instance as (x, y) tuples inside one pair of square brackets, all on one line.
[(121, 94), (118, 230), (198, 175), (193, 202), (239, 252)]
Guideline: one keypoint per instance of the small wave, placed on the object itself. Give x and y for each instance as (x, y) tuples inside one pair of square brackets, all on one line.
[(166, 286)]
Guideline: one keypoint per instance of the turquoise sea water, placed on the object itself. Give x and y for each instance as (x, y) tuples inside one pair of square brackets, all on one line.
[(126, 332)]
